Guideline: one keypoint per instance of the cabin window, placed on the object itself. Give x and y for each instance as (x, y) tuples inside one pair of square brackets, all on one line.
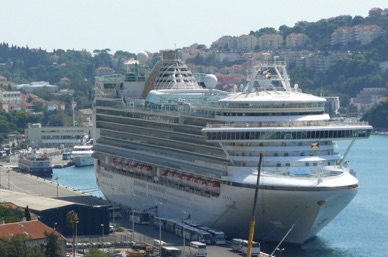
[(278, 165)]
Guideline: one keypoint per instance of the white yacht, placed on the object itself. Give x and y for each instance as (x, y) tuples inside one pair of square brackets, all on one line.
[(164, 141), (82, 153)]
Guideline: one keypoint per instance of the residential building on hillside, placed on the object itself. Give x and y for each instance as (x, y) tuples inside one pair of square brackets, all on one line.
[(321, 62), (190, 52), (54, 105), (375, 11), (364, 34), (342, 36), (226, 43), (384, 67), (29, 88), (270, 41), (224, 56), (10, 97), (296, 40), (247, 42), (367, 98), (29, 101)]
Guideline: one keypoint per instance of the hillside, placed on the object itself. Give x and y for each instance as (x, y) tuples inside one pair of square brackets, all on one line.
[(358, 67)]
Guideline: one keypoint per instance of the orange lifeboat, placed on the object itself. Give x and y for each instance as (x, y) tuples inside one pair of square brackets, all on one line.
[(147, 167), (140, 166), (213, 186), (201, 181)]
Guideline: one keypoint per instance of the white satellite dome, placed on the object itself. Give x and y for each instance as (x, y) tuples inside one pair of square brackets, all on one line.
[(210, 81), (142, 57)]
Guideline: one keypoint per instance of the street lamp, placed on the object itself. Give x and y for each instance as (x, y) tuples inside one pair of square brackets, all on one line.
[(280, 250), (133, 217), (56, 178), (160, 229), (102, 226), (76, 230), (55, 225)]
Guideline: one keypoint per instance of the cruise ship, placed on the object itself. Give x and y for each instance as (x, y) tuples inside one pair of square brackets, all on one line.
[(168, 140)]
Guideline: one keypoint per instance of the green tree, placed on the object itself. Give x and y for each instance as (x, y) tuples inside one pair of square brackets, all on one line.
[(377, 116), (27, 213), (52, 247), (10, 214), (22, 118), (46, 93), (17, 246), (71, 221)]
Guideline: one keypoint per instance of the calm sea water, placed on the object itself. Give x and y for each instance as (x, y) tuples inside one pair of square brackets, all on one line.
[(360, 230)]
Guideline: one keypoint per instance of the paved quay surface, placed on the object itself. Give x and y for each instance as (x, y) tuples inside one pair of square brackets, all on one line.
[(33, 185), (11, 180)]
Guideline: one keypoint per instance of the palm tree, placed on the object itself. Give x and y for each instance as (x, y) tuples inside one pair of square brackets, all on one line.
[(71, 221)]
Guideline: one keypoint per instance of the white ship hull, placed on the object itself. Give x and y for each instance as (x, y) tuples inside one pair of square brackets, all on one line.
[(83, 160), (277, 210)]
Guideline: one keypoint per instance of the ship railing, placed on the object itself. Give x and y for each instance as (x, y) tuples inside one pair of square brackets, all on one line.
[(285, 124), (312, 172)]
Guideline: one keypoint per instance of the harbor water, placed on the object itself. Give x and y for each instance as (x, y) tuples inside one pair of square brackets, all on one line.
[(360, 230)]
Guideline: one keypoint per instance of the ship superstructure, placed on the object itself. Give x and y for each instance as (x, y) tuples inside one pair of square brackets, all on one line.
[(35, 163), (165, 142)]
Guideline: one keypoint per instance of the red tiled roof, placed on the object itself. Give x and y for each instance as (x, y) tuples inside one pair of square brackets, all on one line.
[(34, 229)]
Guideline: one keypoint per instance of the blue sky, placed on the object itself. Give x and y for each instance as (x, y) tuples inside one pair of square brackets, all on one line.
[(153, 25)]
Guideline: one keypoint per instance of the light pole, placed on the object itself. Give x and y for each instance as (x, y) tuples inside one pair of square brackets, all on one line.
[(56, 178), (76, 230), (160, 229), (113, 218), (9, 179), (73, 105), (55, 226), (113, 212), (183, 235), (102, 226), (75, 238), (133, 217)]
